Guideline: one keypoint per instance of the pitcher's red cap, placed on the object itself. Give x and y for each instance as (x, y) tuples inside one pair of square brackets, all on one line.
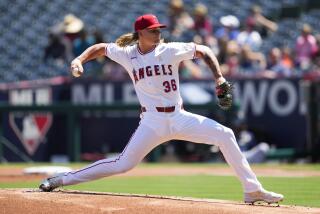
[(147, 21)]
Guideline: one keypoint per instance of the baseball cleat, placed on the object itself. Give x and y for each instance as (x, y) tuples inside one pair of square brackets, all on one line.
[(262, 195), (51, 183)]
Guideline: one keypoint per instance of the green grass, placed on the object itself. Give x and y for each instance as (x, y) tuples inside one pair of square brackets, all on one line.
[(298, 191)]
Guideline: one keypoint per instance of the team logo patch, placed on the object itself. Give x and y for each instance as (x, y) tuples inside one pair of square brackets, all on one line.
[(31, 129)]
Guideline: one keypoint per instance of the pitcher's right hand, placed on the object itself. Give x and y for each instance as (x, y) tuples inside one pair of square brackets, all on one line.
[(76, 68)]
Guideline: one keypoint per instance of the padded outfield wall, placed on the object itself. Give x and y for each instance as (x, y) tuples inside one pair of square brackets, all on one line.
[(276, 110)]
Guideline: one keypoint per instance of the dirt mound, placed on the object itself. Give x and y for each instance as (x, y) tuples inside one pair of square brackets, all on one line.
[(33, 201)]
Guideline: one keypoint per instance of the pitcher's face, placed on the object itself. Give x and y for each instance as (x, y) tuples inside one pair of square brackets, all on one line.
[(150, 36)]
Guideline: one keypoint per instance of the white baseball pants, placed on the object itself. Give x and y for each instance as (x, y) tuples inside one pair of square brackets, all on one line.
[(156, 128)]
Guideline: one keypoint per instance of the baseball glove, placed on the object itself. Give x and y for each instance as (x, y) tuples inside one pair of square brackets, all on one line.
[(224, 94)]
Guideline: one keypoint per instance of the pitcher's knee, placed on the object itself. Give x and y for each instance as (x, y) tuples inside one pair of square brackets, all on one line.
[(124, 167), (228, 132)]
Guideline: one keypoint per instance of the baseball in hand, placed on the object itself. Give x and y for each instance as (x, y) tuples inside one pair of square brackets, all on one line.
[(76, 72)]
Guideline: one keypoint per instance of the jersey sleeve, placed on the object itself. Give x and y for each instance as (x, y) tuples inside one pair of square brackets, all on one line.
[(183, 51), (118, 54)]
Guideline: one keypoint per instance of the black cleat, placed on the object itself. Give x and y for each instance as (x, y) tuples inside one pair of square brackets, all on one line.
[(51, 183)]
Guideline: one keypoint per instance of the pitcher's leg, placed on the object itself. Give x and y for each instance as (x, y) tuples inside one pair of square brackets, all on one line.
[(141, 143), (237, 161), (200, 129)]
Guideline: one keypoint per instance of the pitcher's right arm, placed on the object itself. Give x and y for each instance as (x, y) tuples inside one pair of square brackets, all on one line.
[(93, 52)]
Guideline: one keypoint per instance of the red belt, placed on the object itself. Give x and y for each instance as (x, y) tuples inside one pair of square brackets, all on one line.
[(162, 109)]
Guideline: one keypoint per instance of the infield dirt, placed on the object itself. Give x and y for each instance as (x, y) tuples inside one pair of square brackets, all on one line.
[(75, 202)]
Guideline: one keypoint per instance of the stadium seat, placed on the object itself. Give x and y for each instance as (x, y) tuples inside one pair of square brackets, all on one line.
[(24, 25)]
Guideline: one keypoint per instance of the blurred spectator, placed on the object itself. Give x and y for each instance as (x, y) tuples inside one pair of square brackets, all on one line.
[(260, 22), (72, 27), (223, 46), (229, 29), (58, 49), (82, 43), (96, 67), (179, 19), (98, 36), (210, 41), (227, 32), (306, 47), (287, 58), (251, 62), (315, 69), (231, 65), (275, 63), (202, 23), (61, 37), (250, 37)]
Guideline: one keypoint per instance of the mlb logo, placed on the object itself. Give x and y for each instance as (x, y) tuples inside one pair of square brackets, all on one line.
[(30, 127)]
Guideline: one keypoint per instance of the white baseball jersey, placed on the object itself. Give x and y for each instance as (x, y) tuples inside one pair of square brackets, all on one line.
[(154, 74)]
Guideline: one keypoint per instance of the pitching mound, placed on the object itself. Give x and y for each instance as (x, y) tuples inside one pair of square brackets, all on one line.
[(32, 201)]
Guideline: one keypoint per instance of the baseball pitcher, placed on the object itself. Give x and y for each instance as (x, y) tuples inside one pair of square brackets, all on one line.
[(153, 68)]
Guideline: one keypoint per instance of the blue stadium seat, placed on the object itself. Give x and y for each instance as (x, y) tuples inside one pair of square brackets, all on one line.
[(24, 26)]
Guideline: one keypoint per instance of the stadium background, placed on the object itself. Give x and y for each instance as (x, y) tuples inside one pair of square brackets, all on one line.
[(280, 107)]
